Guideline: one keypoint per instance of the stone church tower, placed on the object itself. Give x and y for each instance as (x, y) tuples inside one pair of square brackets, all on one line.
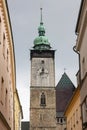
[(42, 85)]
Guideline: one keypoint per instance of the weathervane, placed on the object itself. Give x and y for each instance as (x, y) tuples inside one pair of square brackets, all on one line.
[(64, 69)]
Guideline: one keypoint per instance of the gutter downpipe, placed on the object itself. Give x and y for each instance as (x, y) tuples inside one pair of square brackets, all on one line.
[(74, 49)]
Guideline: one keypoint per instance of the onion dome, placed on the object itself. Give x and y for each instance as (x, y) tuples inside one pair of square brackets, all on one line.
[(41, 42)]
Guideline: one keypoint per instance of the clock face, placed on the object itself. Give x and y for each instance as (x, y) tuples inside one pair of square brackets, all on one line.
[(42, 75), (43, 72)]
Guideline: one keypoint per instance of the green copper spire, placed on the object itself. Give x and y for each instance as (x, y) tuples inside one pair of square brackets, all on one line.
[(41, 29), (41, 42)]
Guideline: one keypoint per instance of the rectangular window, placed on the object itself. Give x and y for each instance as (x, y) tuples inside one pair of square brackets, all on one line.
[(7, 60), (71, 123), (41, 117), (0, 31), (4, 45), (77, 116), (6, 98), (74, 120), (6, 102), (2, 90), (83, 66), (84, 112)]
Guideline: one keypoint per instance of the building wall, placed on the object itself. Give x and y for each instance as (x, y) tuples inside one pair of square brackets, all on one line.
[(7, 70), (61, 126), (42, 116), (81, 46), (36, 66), (83, 54), (18, 111), (73, 112)]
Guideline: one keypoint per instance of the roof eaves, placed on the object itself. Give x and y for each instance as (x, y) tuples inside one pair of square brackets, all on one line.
[(6, 3), (77, 24)]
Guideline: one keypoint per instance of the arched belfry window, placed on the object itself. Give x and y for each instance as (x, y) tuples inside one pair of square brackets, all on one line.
[(43, 100)]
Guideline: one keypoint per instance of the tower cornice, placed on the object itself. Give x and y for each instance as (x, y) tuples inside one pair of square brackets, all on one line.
[(42, 53)]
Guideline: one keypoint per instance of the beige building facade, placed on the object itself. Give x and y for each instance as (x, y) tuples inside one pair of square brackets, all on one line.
[(73, 112), (81, 48), (18, 111), (61, 126), (7, 71)]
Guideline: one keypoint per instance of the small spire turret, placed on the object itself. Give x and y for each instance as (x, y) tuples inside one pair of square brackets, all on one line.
[(41, 29)]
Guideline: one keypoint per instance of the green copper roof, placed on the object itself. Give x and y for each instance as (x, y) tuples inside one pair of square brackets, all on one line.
[(41, 29), (41, 42), (65, 82)]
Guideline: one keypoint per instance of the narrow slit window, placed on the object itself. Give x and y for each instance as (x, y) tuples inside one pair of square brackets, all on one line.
[(4, 45), (7, 60), (0, 30), (2, 90)]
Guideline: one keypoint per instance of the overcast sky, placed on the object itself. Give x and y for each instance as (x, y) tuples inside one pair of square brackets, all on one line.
[(59, 17)]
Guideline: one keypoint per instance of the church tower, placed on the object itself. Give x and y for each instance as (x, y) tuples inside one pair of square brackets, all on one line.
[(42, 85)]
